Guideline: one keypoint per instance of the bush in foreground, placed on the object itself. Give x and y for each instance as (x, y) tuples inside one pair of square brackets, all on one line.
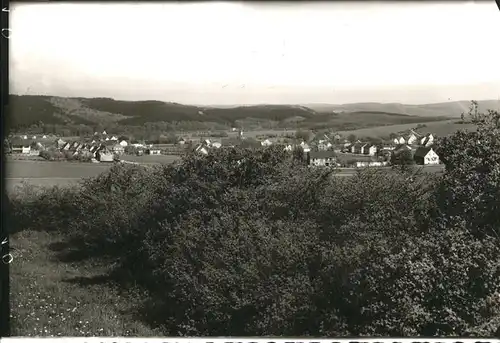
[(252, 243)]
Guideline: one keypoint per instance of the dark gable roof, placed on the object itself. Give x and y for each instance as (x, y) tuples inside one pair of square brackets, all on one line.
[(422, 151), (20, 141), (322, 154)]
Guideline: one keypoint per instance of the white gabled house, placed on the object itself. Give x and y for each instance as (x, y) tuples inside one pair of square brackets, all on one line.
[(427, 140), (201, 149), (426, 156), (322, 158)]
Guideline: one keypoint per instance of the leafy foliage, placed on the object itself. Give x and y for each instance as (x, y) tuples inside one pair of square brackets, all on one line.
[(252, 242)]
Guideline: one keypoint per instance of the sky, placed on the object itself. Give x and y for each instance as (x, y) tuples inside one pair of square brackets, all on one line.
[(247, 53)]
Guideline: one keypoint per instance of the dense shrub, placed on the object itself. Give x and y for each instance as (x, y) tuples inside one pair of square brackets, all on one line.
[(244, 242)]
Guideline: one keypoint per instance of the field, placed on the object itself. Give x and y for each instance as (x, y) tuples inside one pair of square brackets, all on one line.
[(437, 128), (46, 174), (153, 159)]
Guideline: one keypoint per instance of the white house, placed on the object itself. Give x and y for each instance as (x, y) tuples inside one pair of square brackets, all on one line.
[(324, 145), (425, 156), (153, 151), (370, 150), (114, 138), (123, 143), (217, 145), (413, 137), (104, 133), (427, 140), (201, 149), (322, 158), (20, 146), (266, 142)]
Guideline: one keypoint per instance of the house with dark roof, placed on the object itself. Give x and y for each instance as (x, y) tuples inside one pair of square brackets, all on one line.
[(427, 140), (322, 158), (426, 156), (357, 148), (370, 149), (20, 146), (104, 155)]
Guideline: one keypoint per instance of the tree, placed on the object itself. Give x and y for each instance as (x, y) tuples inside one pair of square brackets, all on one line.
[(298, 154), (402, 160), (351, 138), (470, 188), (303, 135)]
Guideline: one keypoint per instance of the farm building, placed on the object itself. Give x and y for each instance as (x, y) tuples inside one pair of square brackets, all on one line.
[(322, 158), (20, 146), (153, 151), (104, 156), (425, 156), (123, 143)]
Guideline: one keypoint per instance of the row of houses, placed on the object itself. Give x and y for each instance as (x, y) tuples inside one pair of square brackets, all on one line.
[(415, 138), (421, 155)]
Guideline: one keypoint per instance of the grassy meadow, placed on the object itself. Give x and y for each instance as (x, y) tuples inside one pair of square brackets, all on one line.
[(437, 128), (47, 174), (52, 296)]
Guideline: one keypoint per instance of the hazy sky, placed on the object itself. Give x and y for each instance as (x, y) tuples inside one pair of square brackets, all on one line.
[(234, 53)]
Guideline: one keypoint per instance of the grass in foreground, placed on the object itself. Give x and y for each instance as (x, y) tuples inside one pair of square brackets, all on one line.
[(53, 298)]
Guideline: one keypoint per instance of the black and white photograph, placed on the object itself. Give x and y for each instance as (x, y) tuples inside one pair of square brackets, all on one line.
[(253, 169)]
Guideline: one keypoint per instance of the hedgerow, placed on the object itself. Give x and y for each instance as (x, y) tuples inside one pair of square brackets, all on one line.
[(244, 242)]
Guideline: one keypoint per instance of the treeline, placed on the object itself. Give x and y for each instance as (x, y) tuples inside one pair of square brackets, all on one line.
[(250, 243)]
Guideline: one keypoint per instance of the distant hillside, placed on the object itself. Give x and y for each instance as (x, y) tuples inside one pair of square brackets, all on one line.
[(25, 110), (446, 109)]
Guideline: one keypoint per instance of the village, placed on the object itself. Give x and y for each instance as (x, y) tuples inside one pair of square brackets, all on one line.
[(321, 150)]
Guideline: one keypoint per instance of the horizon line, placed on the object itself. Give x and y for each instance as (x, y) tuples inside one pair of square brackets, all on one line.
[(260, 104)]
